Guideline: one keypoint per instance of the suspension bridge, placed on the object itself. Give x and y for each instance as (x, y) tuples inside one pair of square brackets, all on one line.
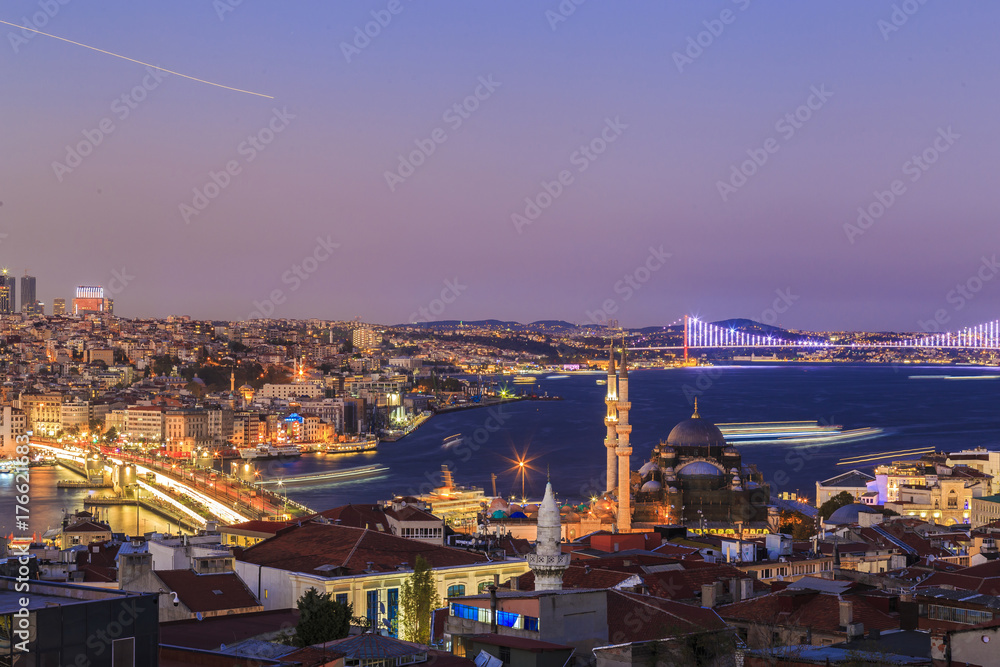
[(699, 334)]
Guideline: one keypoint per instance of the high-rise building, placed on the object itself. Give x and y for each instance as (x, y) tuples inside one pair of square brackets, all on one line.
[(89, 299), (8, 293), (59, 306), (365, 338), (28, 297)]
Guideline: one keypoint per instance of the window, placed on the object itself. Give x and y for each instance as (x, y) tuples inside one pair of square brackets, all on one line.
[(341, 598), (123, 652), (372, 609), (456, 590), (392, 609), (957, 615)]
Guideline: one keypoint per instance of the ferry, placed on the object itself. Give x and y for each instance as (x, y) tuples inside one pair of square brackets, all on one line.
[(367, 444), (602, 381), (524, 379), (451, 441), (324, 477), (269, 451), (798, 433)]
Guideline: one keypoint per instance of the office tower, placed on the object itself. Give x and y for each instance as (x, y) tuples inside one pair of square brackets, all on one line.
[(59, 306), (28, 297), (89, 299), (8, 293)]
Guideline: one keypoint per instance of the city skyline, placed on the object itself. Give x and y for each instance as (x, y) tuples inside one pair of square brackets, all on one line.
[(518, 162)]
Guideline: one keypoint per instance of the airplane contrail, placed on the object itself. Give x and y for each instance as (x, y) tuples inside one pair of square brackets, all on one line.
[(118, 55)]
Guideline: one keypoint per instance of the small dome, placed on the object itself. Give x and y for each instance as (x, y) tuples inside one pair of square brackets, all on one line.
[(699, 468), (672, 489), (518, 515), (734, 471), (647, 468), (651, 486), (514, 507), (849, 514), (498, 504), (499, 514)]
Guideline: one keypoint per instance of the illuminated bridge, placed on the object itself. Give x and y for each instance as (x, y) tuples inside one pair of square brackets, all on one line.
[(704, 335)]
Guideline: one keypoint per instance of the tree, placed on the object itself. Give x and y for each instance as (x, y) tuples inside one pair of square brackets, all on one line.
[(111, 436), (417, 598), (835, 503), (321, 619)]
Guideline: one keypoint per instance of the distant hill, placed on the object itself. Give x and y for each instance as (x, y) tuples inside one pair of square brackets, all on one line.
[(751, 326), (540, 325)]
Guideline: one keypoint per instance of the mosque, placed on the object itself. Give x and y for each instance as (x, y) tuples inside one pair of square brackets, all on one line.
[(693, 478)]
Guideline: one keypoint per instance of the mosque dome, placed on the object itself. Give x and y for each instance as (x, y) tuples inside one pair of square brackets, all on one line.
[(849, 514), (699, 468), (647, 468), (651, 486), (696, 432)]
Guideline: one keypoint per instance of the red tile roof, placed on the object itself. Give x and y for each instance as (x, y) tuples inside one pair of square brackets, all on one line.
[(580, 576), (634, 618), (208, 592), (348, 550), (268, 527), (214, 631), (685, 584), (808, 609)]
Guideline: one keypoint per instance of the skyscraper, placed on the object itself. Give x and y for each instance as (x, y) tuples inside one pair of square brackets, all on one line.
[(89, 299), (28, 297), (59, 306), (8, 293)]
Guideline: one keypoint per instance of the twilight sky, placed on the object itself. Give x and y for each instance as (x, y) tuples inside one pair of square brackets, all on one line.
[(647, 130)]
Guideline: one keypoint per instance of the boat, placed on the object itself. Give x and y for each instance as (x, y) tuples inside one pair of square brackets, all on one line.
[(797, 433), (323, 477), (524, 379), (451, 441), (367, 444), (557, 377), (269, 451), (601, 381)]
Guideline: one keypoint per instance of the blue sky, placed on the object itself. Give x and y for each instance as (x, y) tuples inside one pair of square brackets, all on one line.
[(685, 118)]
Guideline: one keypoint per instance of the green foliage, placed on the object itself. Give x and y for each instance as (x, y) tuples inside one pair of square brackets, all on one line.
[(321, 619), (111, 435), (835, 503), (417, 598)]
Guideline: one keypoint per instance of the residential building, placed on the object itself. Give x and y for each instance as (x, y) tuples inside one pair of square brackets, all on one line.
[(853, 482)]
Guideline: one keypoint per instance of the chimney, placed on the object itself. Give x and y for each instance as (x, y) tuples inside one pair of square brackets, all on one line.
[(493, 603), (515, 583), (746, 589), (846, 612), (708, 596), (734, 589)]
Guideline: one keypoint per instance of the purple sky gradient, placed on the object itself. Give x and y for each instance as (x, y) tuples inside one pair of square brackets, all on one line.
[(656, 185)]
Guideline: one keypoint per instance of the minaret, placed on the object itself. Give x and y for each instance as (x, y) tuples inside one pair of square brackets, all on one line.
[(232, 382), (623, 450), (548, 562), (611, 440)]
